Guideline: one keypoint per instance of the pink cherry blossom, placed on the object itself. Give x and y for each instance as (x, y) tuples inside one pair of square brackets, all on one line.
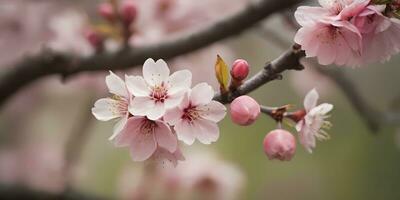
[(116, 106), (197, 116), (166, 159), (331, 41), (312, 126), (244, 110), (144, 136), (380, 34), (279, 144), (157, 91)]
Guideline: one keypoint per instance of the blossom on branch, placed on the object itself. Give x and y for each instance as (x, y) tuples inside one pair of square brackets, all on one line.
[(312, 125), (116, 106), (347, 32)]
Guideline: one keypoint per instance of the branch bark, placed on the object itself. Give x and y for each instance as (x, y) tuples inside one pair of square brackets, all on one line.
[(48, 63)]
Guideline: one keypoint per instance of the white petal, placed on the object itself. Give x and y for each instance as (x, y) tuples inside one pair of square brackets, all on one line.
[(165, 138), (143, 146), (206, 131), (201, 94), (140, 106), (137, 86), (173, 116), (118, 127), (322, 109), (116, 85), (156, 112), (310, 101), (184, 131), (299, 125), (214, 111), (179, 81), (155, 72), (174, 100), (104, 109)]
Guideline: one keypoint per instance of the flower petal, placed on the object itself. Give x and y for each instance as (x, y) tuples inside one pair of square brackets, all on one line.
[(174, 100), (155, 72), (137, 86), (173, 116), (140, 106), (116, 85), (179, 81), (310, 101), (165, 138), (214, 111), (156, 112), (201, 94), (104, 109), (184, 131), (322, 109), (118, 127), (206, 131), (126, 136), (143, 146)]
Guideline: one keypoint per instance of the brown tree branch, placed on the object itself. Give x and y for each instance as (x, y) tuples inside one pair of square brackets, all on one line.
[(48, 63)]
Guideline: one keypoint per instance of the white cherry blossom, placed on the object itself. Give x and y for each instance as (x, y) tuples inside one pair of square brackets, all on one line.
[(115, 107), (157, 91), (312, 126)]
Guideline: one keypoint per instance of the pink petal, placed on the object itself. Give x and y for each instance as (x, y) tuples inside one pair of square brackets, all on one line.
[(156, 112), (310, 101), (173, 116), (206, 131), (118, 127), (179, 81), (143, 146), (141, 105), (126, 136), (165, 138)]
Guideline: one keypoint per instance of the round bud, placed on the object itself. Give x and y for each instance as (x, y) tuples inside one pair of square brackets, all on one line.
[(94, 38), (128, 11), (244, 110), (279, 144), (240, 69), (106, 11)]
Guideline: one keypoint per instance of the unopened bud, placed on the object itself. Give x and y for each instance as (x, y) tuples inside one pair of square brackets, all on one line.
[(244, 110), (106, 11), (128, 11), (279, 144), (240, 69), (94, 38)]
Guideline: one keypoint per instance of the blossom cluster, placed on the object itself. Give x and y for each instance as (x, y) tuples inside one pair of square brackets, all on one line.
[(158, 109), (349, 32)]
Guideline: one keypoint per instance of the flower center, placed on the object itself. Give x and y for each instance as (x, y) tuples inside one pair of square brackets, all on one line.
[(190, 113), (148, 126), (159, 93)]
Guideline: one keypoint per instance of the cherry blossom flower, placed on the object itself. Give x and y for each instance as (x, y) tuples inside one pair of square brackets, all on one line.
[(312, 126), (197, 116), (380, 34), (116, 106), (157, 91), (166, 159), (330, 40), (144, 136)]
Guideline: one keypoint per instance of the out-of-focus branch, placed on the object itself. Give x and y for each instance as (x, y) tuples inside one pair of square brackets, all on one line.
[(289, 60), (20, 192), (369, 115), (49, 63)]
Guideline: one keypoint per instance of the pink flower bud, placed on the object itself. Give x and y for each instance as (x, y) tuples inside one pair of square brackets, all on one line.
[(240, 69), (128, 11), (279, 144), (106, 11), (244, 110), (94, 38)]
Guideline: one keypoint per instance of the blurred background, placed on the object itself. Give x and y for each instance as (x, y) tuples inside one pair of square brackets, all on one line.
[(50, 142)]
